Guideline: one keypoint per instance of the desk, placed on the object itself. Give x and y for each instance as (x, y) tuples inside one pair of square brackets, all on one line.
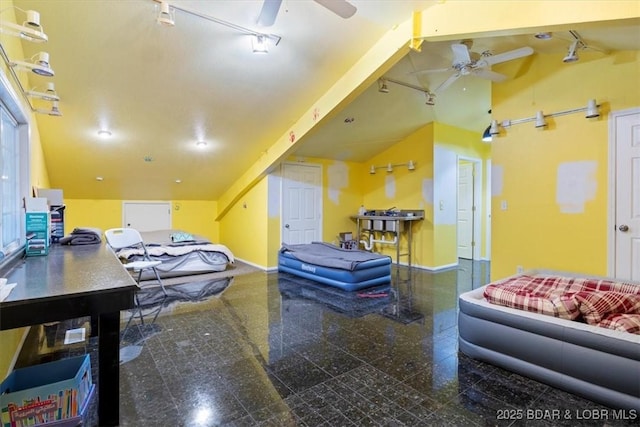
[(72, 282)]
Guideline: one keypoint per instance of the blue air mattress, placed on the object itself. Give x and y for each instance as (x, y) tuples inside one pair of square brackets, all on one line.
[(345, 269)]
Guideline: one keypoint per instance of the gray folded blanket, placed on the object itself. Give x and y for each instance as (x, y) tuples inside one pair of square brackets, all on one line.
[(83, 236)]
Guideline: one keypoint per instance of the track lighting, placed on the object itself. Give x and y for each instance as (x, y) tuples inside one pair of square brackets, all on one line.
[(49, 94), (38, 63), (30, 29), (166, 15), (382, 87), (591, 111), (411, 165)]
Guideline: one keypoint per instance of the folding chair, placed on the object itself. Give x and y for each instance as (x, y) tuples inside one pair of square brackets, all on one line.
[(119, 238)]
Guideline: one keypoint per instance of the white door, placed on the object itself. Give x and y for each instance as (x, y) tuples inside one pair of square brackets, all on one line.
[(146, 216), (626, 128), (465, 209), (301, 204)]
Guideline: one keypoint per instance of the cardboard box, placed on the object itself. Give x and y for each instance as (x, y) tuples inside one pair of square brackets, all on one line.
[(55, 393), (54, 196), (37, 228), (36, 204)]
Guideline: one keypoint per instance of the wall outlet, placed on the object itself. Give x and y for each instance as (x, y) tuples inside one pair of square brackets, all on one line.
[(519, 269)]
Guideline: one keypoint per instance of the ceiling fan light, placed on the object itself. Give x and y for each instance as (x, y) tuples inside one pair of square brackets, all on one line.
[(259, 43), (592, 109), (540, 121)]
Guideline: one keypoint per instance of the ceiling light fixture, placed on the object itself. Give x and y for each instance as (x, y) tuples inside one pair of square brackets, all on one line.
[(201, 144), (382, 86), (493, 129), (104, 133), (54, 111), (430, 96), (259, 43), (572, 55), (592, 110), (543, 36), (411, 165), (30, 29), (246, 31), (540, 121), (166, 15), (486, 135), (49, 94), (38, 63)]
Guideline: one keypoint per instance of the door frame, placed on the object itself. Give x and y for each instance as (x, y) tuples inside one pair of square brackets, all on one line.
[(478, 202), (282, 197), (611, 216)]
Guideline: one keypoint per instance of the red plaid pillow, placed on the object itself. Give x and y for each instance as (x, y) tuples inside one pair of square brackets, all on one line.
[(594, 306), (622, 322)]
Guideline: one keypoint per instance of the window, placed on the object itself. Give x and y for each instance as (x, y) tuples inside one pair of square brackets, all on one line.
[(14, 165)]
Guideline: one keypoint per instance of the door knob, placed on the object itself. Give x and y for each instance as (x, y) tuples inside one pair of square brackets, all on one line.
[(623, 228), (286, 226)]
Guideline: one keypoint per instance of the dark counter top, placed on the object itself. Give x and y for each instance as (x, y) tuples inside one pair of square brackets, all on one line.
[(66, 271)]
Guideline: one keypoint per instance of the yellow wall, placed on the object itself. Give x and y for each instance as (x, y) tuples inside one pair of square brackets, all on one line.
[(194, 216), (11, 339), (245, 227), (405, 189), (534, 232)]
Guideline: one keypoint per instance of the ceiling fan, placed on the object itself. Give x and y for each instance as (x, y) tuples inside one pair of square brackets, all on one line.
[(467, 63), (270, 10)]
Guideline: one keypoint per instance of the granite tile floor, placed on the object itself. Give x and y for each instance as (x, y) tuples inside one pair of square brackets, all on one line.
[(270, 349)]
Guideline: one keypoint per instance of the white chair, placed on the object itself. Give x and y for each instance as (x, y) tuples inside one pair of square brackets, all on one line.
[(119, 238)]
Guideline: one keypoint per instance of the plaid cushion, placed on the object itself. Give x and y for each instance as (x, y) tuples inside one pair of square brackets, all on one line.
[(594, 306), (622, 322)]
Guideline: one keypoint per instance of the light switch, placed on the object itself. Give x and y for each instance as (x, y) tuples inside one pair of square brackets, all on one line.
[(441, 205)]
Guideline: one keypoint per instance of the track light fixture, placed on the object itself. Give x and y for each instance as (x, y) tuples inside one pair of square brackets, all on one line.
[(591, 111), (49, 94), (30, 29), (259, 43), (572, 55), (38, 63), (54, 111), (486, 135), (382, 86), (166, 15), (540, 121), (411, 165)]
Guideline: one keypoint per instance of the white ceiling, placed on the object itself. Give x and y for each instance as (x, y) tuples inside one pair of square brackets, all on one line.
[(160, 89)]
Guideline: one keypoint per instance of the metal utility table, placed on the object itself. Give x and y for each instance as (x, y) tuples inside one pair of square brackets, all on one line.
[(396, 224), (72, 282)]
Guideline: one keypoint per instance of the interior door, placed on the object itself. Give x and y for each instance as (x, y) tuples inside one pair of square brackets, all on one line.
[(627, 215), (146, 216), (465, 209), (301, 204)]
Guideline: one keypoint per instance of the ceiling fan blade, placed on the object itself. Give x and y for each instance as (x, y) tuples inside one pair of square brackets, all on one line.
[(452, 78), (460, 54), (490, 75), (342, 8), (269, 12), (507, 56)]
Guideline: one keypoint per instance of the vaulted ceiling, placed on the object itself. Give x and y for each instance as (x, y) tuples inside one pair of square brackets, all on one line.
[(160, 89)]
